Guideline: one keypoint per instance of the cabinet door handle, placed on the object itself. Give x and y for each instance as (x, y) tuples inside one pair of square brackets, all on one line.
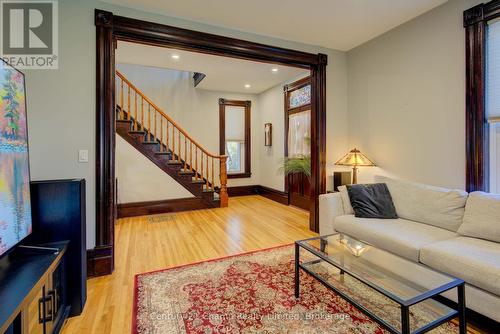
[(41, 316), (49, 316), (53, 296)]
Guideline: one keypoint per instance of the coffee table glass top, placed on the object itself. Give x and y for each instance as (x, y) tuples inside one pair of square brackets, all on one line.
[(401, 280)]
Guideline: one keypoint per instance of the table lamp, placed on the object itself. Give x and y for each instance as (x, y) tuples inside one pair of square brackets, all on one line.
[(355, 158)]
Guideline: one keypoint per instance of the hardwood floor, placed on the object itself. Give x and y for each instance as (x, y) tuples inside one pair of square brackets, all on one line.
[(156, 242)]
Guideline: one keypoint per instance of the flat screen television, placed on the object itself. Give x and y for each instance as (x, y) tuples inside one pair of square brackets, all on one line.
[(15, 206)]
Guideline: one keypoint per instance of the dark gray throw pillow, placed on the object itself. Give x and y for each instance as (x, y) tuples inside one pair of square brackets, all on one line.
[(371, 201)]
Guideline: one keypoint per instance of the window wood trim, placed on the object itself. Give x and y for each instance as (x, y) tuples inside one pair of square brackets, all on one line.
[(223, 103), (477, 128)]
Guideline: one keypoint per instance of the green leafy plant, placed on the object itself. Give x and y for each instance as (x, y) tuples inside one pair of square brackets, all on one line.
[(297, 164)]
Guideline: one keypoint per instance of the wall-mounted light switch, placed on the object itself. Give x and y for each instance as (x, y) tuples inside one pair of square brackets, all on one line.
[(83, 155)]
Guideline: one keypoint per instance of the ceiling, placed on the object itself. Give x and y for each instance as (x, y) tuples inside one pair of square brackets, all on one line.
[(336, 24), (222, 73)]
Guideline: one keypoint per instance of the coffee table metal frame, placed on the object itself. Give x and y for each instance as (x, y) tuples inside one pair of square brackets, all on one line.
[(404, 304)]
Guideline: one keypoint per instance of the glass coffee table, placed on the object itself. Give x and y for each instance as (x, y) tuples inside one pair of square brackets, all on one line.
[(397, 293)]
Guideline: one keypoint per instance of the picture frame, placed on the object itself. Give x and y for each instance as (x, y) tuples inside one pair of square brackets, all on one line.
[(268, 134)]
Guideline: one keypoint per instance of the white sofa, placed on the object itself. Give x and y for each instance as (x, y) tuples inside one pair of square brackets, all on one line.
[(448, 230)]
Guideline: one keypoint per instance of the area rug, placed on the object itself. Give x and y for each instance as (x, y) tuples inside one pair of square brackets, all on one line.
[(254, 293)]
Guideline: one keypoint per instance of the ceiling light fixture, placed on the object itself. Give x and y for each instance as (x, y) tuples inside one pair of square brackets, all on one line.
[(176, 57), (274, 70), (247, 86)]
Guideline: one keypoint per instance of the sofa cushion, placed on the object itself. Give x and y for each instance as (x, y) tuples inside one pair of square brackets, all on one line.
[(482, 216), (430, 205), (371, 201), (475, 261), (346, 201), (399, 236)]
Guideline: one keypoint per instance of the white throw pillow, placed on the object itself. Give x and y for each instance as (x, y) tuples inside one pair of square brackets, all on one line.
[(482, 216), (426, 204), (346, 202)]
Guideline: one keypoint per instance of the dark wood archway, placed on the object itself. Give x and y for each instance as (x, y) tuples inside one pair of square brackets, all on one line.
[(111, 28)]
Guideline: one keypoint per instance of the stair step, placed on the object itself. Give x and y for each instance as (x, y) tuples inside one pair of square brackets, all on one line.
[(172, 162), (150, 142), (207, 190), (186, 172), (124, 121), (197, 181), (163, 153), (137, 132)]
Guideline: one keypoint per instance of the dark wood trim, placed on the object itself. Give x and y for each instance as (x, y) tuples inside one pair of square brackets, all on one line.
[(110, 28), (151, 33), (477, 128), (163, 206), (105, 137), (273, 194), (198, 77), (242, 190), (99, 260), (223, 103), (482, 13)]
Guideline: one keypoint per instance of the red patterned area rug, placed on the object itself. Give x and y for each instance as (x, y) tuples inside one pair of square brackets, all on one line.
[(254, 293)]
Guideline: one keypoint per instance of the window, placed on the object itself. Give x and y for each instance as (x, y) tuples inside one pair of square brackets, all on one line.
[(234, 158), (492, 102), (234, 124), (482, 102)]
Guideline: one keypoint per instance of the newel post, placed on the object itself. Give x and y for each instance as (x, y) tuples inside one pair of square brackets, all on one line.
[(223, 182)]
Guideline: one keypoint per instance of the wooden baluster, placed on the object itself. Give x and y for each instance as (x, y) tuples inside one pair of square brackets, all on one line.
[(121, 100), (135, 114), (190, 155), (196, 162), (142, 114), (179, 148), (173, 142), (206, 179), (201, 172), (167, 144), (161, 134), (223, 182), (213, 184), (185, 153), (156, 137), (149, 121), (128, 108)]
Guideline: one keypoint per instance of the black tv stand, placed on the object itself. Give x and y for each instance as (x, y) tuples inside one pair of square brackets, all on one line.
[(33, 289), (54, 250)]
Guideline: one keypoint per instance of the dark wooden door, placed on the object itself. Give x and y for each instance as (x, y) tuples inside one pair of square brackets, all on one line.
[(298, 139)]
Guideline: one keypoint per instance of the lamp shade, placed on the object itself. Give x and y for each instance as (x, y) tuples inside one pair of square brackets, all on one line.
[(355, 158)]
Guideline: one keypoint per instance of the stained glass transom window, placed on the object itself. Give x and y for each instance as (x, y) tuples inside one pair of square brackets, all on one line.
[(300, 97)]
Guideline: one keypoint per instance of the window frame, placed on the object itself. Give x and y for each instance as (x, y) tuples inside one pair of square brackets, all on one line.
[(477, 128), (223, 103)]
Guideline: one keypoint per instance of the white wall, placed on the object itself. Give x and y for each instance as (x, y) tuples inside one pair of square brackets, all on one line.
[(61, 103), (196, 110), (140, 180), (406, 96)]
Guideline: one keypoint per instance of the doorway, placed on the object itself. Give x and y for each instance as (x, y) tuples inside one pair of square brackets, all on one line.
[(298, 139), (110, 28)]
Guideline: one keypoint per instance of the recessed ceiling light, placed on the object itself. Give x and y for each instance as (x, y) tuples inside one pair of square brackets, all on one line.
[(247, 86), (274, 69), (175, 57)]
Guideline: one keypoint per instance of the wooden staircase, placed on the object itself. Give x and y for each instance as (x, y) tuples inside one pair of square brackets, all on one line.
[(158, 137)]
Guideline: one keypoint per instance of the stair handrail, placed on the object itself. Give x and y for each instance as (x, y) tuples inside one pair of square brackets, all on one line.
[(167, 117)]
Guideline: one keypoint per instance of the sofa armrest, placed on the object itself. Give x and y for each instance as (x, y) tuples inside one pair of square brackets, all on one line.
[(330, 206)]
